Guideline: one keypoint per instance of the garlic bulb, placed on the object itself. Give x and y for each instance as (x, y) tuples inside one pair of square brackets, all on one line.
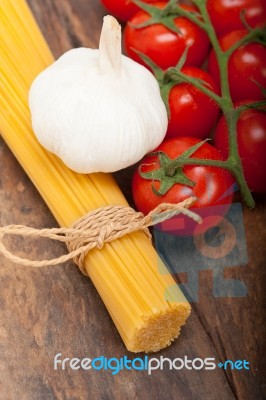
[(98, 110)]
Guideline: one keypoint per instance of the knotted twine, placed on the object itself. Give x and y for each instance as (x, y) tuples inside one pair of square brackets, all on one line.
[(94, 229)]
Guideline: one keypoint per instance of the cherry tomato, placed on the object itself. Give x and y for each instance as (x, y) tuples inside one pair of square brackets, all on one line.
[(211, 183), (246, 65), (163, 46), (122, 9), (251, 137), (192, 113), (225, 14)]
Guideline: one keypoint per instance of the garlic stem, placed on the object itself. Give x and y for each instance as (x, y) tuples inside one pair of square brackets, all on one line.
[(110, 45)]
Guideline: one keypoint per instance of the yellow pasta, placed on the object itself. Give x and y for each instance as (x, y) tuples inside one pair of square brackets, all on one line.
[(125, 272)]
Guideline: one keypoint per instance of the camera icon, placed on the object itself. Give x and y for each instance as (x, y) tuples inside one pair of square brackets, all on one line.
[(186, 247)]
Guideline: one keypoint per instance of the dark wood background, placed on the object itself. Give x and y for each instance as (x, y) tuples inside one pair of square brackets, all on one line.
[(57, 310)]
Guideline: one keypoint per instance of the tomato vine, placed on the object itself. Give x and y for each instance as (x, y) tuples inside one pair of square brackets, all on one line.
[(174, 74)]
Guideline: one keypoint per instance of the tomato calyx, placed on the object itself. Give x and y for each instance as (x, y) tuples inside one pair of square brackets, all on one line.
[(164, 16), (257, 105), (253, 35), (165, 83), (170, 171), (260, 35), (173, 76)]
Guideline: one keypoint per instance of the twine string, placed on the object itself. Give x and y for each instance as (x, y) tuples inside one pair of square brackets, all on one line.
[(94, 229)]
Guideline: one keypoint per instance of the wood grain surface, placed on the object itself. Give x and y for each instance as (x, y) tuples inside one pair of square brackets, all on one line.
[(57, 310)]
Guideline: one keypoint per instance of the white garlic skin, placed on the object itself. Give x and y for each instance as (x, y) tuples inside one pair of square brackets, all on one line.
[(96, 121)]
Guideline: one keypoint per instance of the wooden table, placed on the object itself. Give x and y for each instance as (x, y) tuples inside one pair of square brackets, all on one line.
[(57, 310)]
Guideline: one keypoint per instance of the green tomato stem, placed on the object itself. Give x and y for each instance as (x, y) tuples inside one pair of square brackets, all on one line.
[(193, 17), (253, 34), (222, 58), (233, 163), (175, 74), (195, 161)]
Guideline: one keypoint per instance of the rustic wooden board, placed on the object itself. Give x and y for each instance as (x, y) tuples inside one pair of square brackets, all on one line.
[(57, 310)]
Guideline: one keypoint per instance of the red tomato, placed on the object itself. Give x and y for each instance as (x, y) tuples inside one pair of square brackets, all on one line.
[(247, 63), (163, 46), (192, 113), (122, 9), (225, 14), (251, 137), (212, 183)]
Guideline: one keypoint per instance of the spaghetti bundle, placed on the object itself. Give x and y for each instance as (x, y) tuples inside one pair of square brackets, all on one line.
[(128, 274)]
